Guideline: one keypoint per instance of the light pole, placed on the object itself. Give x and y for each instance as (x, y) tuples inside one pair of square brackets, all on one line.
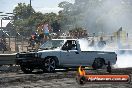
[(30, 7), (30, 13), (30, 2)]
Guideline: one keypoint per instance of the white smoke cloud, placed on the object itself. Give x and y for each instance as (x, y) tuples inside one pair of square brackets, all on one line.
[(106, 17), (123, 60)]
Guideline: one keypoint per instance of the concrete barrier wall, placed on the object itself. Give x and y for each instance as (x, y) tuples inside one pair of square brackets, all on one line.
[(7, 59)]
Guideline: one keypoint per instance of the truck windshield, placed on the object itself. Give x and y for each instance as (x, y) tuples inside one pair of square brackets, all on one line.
[(52, 44)]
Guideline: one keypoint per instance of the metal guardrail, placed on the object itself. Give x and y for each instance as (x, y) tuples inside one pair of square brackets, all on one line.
[(7, 59)]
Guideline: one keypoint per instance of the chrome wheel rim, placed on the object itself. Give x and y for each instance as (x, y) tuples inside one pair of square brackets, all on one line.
[(50, 64)]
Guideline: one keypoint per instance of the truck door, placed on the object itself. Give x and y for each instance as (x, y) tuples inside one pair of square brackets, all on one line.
[(70, 55), (87, 57)]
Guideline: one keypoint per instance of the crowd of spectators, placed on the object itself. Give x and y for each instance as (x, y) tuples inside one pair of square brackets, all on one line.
[(43, 33)]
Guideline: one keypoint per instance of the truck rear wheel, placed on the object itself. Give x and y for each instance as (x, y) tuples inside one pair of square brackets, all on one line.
[(98, 63), (26, 70), (49, 64)]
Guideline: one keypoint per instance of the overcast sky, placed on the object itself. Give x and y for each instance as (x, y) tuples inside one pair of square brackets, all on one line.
[(38, 5), (43, 6)]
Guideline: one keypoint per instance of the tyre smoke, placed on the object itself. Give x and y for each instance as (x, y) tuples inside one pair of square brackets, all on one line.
[(124, 60)]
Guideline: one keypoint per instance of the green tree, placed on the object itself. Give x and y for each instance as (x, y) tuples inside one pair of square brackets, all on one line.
[(23, 11), (22, 18), (65, 16), (96, 15), (80, 14), (26, 19)]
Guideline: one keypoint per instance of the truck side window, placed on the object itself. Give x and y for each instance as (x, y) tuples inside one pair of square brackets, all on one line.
[(70, 45)]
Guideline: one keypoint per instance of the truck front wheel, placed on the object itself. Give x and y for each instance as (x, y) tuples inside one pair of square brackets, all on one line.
[(49, 64), (98, 63), (26, 70)]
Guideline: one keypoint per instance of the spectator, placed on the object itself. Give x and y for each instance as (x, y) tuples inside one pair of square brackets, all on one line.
[(46, 31), (3, 39), (101, 43), (40, 33), (32, 41)]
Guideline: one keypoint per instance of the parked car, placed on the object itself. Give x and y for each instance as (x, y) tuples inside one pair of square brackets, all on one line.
[(63, 53)]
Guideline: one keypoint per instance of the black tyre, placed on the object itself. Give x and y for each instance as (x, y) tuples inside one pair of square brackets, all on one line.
[(81, 80), (26, 70), (49, 64), (98, 63)]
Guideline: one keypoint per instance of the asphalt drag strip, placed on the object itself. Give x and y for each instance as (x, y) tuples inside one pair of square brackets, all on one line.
[(60, 79)]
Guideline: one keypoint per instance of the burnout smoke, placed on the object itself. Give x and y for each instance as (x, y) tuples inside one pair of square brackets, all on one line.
[(105, 16), (84, 45), (123, 60)]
